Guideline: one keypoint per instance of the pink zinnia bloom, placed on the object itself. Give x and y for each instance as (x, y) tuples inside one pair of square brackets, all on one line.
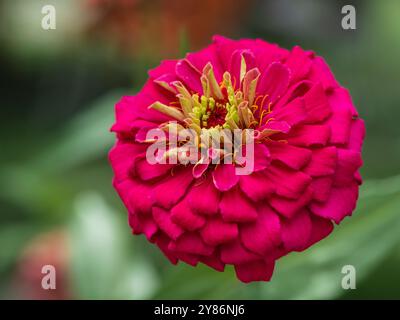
[(306, 158)]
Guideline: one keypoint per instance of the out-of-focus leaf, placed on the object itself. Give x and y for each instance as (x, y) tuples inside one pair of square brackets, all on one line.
[(85, 138), (101, 264), (362, 241)]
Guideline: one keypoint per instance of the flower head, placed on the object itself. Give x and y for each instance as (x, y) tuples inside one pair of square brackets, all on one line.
[(307, 152)]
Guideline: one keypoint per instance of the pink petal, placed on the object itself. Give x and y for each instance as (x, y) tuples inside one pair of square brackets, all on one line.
[(209, 54), (183, 216), (166, 66), (191, 243), (341, 203), (225, 177), (317, 104), (135, 195), (292, 113), (293, 157), (203, 198), (235, 207), (142, 224), (216, 232), (236, 61), (255, 271), (261, 157), (299, 64), (189, 75), (256, 186), (213, 261), (274, 81), (262, 235), (321, 228), (323, 162), (320, 72), (340, 98), (164, 222), (322, 187), (357, 135), (296, 231), (162, 241), (348, 163), (146, 171), (288, 207), (172, 188), (235, 253), (289, 183), (309, 135), (121, 157)]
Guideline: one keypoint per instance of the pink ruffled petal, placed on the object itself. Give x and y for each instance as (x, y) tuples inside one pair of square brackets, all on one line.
[(172, 188), (317, 104), (256, 186), (191, 243), (225, 177), (341, 203), (189, 75), (166, 66), (183, 216), (323, 162), (235, 253), (216, 232), (264, 234), (136, 196), (322, 187), (236, 61), (288, 207), (321, 228), (289, 183), (142, 224), (213, 261), (292, 113), (309, 135), (200, 58), (320, 72), (296, 231), (357, 135), (235, 207), (255, 271), (293, 157), (162, 241), (203, 198), (299, 63), (164, 222), (348, 163), (273, 82), (146, 171)]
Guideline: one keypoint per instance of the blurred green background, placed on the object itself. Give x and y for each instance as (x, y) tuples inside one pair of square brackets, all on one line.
[(58, 90)]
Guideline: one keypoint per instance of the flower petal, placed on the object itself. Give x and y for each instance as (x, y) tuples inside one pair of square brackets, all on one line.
[(341, 203), (203, 198), (164, 222), (191, 243), (183, 216), (293, 157), (256, 186), (225, 177), (216, 232), (172, 188), (255, 271), (262, 235), (235, 207), (323, 162), (296, 231), (273, 82)]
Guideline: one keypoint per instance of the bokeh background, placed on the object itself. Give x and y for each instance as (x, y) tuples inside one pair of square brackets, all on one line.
[(57, 95)]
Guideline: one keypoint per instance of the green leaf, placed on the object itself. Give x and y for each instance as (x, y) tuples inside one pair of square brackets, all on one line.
[(102, 264)]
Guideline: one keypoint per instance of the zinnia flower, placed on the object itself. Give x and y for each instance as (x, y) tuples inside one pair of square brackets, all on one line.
[(307, 156)]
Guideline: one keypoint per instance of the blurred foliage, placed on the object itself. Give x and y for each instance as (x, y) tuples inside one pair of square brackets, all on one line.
[(57, 107)]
